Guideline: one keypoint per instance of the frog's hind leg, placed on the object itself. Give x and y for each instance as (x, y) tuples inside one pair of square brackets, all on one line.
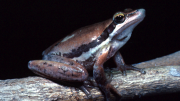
[(58, 71), (123, 67), (67, 71)]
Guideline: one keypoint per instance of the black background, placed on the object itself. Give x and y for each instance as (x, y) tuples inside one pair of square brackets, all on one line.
[(29, 27)]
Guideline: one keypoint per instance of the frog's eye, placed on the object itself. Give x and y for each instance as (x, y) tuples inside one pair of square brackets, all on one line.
[(118, 18)]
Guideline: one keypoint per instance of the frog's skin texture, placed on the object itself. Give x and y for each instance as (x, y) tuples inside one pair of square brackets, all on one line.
[(74, 57)]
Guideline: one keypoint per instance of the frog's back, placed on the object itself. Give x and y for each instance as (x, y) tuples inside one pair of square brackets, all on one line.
[(80, 38)]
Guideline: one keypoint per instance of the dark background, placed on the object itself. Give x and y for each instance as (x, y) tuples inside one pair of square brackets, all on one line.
[(29, 27)]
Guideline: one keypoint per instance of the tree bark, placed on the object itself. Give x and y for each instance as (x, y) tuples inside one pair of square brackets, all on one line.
[(158, 79), (168, 60)]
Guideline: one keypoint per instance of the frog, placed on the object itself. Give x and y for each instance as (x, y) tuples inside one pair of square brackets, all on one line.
[(83, 52)]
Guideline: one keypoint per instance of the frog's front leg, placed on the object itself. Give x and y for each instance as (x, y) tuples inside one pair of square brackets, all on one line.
[(100, 78), (123, 67)]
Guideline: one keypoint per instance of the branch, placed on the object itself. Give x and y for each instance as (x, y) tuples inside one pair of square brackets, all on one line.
[(160, 79), (169, 60)]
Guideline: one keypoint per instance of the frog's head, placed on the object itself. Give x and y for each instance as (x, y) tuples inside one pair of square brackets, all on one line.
[(124, 23)]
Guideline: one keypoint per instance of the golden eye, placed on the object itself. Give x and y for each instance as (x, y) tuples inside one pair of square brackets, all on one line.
[(118, 18)]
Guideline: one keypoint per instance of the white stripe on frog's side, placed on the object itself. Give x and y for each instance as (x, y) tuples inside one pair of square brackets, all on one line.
[(67, 37), (85, 55)]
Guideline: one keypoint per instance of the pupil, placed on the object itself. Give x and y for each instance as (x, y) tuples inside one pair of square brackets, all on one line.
[(119, 17)]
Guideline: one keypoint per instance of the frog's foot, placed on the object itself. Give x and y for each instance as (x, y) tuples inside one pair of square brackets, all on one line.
[(123, 69), (91, 83), (86, 91)]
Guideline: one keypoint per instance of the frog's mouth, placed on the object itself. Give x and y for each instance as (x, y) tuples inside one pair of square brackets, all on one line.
[(122, 38)]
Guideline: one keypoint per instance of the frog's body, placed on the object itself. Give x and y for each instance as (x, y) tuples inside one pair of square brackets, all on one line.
[(79, 45), (72, 59)]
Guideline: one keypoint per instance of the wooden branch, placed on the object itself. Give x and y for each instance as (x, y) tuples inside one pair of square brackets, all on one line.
[(161, 79), (169, 60)]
